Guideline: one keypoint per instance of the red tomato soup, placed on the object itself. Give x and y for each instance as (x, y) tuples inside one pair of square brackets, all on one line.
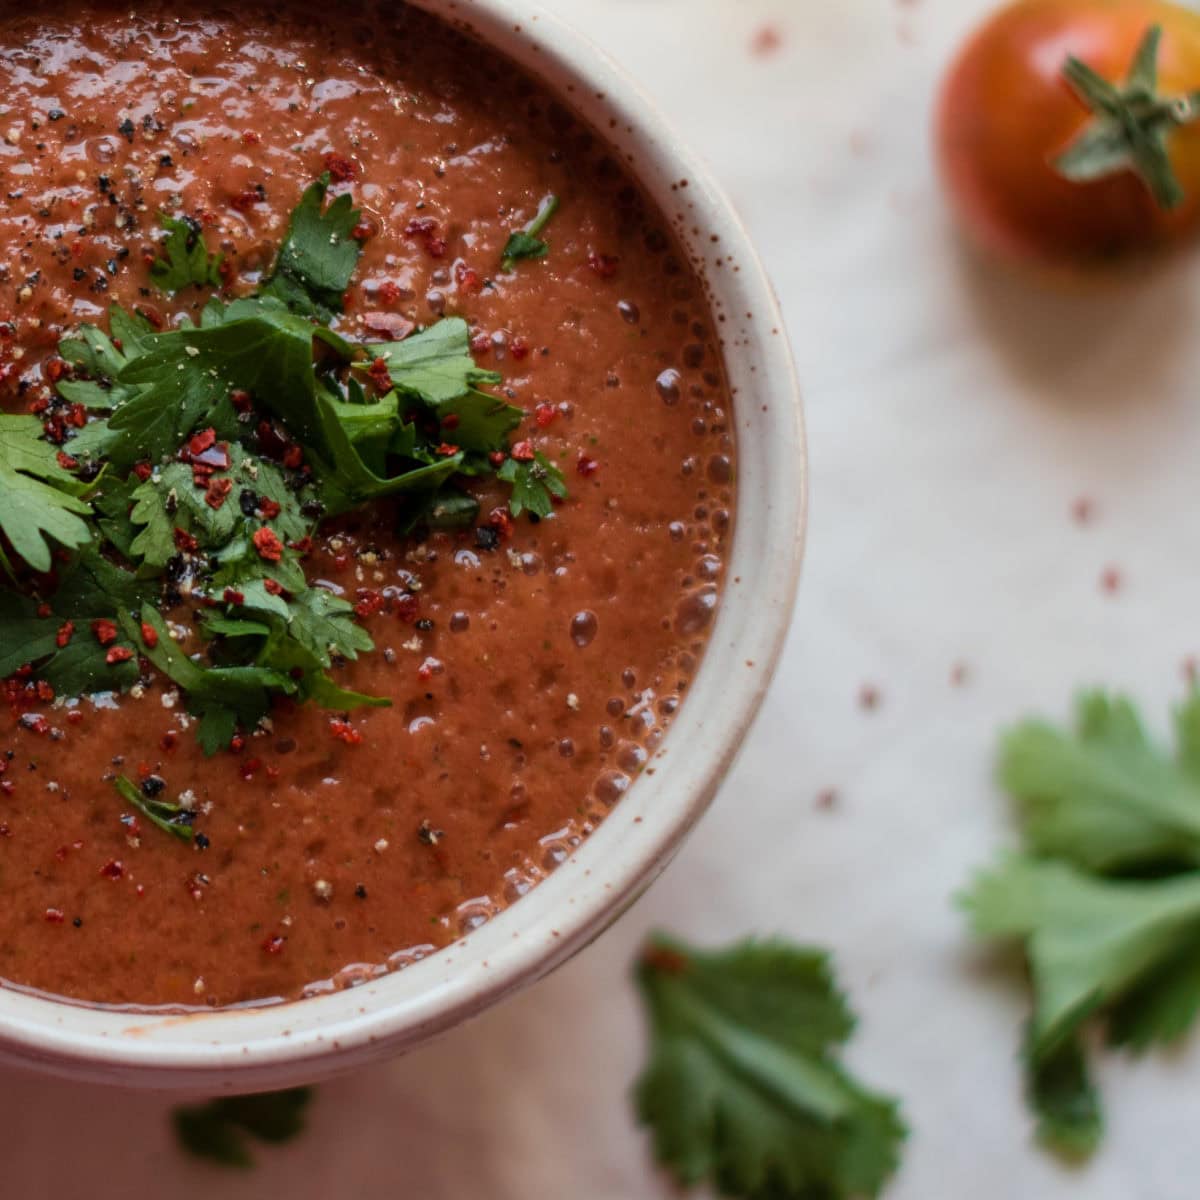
[(532, 665)]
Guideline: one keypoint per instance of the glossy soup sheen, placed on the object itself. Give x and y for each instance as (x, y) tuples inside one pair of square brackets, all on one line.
[(531, 682)]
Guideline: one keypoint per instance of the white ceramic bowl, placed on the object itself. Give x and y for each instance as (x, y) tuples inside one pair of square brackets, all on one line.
[(276, 1046)]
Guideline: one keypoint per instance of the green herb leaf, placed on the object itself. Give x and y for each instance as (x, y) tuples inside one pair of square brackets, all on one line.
[(318, 255), (533, 485), (170, 818), (41, 500), (524, 243), (1063, 1098), (743, 1087), (218, 1130), (1105, 797), (186, 261)]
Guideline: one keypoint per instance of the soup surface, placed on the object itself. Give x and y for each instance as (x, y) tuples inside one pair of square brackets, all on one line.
[(532, 666)]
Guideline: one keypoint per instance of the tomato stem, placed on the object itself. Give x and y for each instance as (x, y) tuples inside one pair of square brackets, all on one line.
[(1131, 125)]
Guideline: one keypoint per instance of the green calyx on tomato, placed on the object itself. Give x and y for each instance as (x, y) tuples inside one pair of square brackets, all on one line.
[(1131, 126)]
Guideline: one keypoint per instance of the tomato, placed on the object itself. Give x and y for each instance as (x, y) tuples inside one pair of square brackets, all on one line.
[(1007, 113)]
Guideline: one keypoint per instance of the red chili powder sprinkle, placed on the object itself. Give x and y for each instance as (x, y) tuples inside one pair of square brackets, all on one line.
[(341, 169), (586, 466), (55, 916), (273, 587), (149, 634), (63, 636), (544, 415), (118, 654), (218, 492), (522, 451), (201, 441), (604, 265), (345, 732), (267, 544), (113, 869), (105, 631)]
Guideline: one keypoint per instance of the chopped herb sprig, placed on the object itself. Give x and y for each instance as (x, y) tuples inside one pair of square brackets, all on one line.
[(525, 243)]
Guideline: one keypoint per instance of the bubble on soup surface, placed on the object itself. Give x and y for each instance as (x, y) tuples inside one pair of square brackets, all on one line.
[(471, 914), (631, 757), (695, 611), (610, 786), (720, 468), (584, 626), (667, 384)]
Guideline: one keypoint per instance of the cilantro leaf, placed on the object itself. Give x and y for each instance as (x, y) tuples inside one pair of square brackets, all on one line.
[(1093, 945), (743, 1088), (434, 366), (318, 255), (217, 1130), (90, 588), (187, 261), (1105, 797), (222, 697), (39, 500), (533, 484), (524, 243)]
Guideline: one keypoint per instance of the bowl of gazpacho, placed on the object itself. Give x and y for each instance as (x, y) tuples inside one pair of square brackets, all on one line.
[(401, 505)]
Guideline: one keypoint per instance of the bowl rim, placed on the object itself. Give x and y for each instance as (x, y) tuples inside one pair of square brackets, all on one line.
[(256, 1047)]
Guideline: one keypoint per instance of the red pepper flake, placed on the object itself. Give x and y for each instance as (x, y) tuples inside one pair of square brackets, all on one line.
[(293, 456), (467, 278), (388, 292), (426, 230), (43, 610), (201, 441), (169, 740), (78, 416), (345, 732), (64, 634), (522, 451), (341, 169), (34, 722), (250, 138), (1111, 580), (369, 603), (274, 944), (270, 509), (500, 519), (75, 717), (408, 607), (242, 401), (268, 545), (450, 422), (149, 634), (1083, 510), (544, 415), (586, 466), (55, 916), (55, 369), (244, 201), (232, 596), (364, 231), (143, 470), (184, 541), (66, 461), (302, 546), (236, 744), (481, 343), (44, 691), (378, 374), (272, 587), (105, 631), (447, 450), (218, 492), (118, 654), (518, 348), (250, 768), (113, 869), (7, 787), (604, 265)]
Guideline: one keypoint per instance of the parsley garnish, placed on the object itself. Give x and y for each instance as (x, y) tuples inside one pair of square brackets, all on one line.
[(187, 260), (218, 1130), (744, 1088), (183, 503), (1104, 897), (533, 484), (318, 255), (41, 501), (525, 243)]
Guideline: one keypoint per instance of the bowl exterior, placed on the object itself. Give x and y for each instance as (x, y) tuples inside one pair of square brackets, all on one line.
[(276, 1046)]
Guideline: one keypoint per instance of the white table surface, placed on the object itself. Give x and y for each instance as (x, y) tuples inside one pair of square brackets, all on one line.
[(954, 418)]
